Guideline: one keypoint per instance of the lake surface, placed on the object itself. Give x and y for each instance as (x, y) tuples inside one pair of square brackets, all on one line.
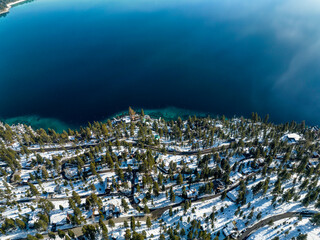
[(79, 61)]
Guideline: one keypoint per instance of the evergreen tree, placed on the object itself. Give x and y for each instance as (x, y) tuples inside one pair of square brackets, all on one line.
[(125, 205), (127, 235), (172, 195), (179, 179), (33, 190), (111, 223), (45, 173), (315, 219), (132, 223), (149, 224), (89, 231)]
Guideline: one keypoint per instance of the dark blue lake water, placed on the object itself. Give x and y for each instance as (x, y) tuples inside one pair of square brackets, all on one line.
[(79, 61)]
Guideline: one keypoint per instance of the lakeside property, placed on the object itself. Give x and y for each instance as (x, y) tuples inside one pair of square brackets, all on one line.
[(142, 178), (36, 122)]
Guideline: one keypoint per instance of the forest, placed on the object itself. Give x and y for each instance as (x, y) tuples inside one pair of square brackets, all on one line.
[(140, 177)]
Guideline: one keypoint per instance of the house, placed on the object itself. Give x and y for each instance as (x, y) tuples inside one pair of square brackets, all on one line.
[(116, 211), (71, 172), (137, 198), (315, 155), (71, 138), (32, 219), (116, 236), (58, 219), (95, 212), (260, 161), (233, 196), (24, 182), (192, 194), (129, 184), (247, 170), (107, 186), (137, 178), (217, 186), (291, 137), (235, 177), (128, 119), (230, 230), (58, 189), (130, 162), (312, 163), (112, 211)]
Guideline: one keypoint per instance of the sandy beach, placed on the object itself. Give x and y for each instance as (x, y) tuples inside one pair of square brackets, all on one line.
[(9, 5)]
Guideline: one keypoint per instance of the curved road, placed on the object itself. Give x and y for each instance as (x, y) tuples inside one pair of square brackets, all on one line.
[(274, 218)]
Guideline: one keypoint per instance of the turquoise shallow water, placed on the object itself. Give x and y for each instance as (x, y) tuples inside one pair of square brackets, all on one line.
[(37, 122), (170, 113)]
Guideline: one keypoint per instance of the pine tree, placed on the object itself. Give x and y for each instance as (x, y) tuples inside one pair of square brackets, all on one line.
[(109, 161), (315, 219), (172, 195), (179, 179), (45, 173), (156, 189), (61, 233), (223, 195), (71, 233), (132, 223), (132, 113), (51, 235), (111, 223), (146, 209), (127, 235), (76, 198), (89, 231), (34, 191), (170, 212), (149, 224), (125, 205)]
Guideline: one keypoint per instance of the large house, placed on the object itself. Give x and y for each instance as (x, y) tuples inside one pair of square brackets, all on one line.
[(111, 211)]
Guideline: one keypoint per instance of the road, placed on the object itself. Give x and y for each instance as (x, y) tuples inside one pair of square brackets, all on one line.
[(156, 213), (134, 142), (78, 230), (274, 218)]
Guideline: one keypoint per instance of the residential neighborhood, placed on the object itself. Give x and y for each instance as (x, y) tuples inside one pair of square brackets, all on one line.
[(151, 179)]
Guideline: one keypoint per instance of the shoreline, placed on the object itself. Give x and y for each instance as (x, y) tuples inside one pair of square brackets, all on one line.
[(10, 5), (59, 125)]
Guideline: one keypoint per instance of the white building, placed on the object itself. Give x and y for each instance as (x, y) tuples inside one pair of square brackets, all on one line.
[(193, 193), (233, 195), (230, 230), (291, 137)]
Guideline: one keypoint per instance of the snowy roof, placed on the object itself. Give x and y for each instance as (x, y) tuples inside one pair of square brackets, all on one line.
[(236, 176), (58, 218), (228, 230), (292, 136), (192, 193), (233, 195)]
